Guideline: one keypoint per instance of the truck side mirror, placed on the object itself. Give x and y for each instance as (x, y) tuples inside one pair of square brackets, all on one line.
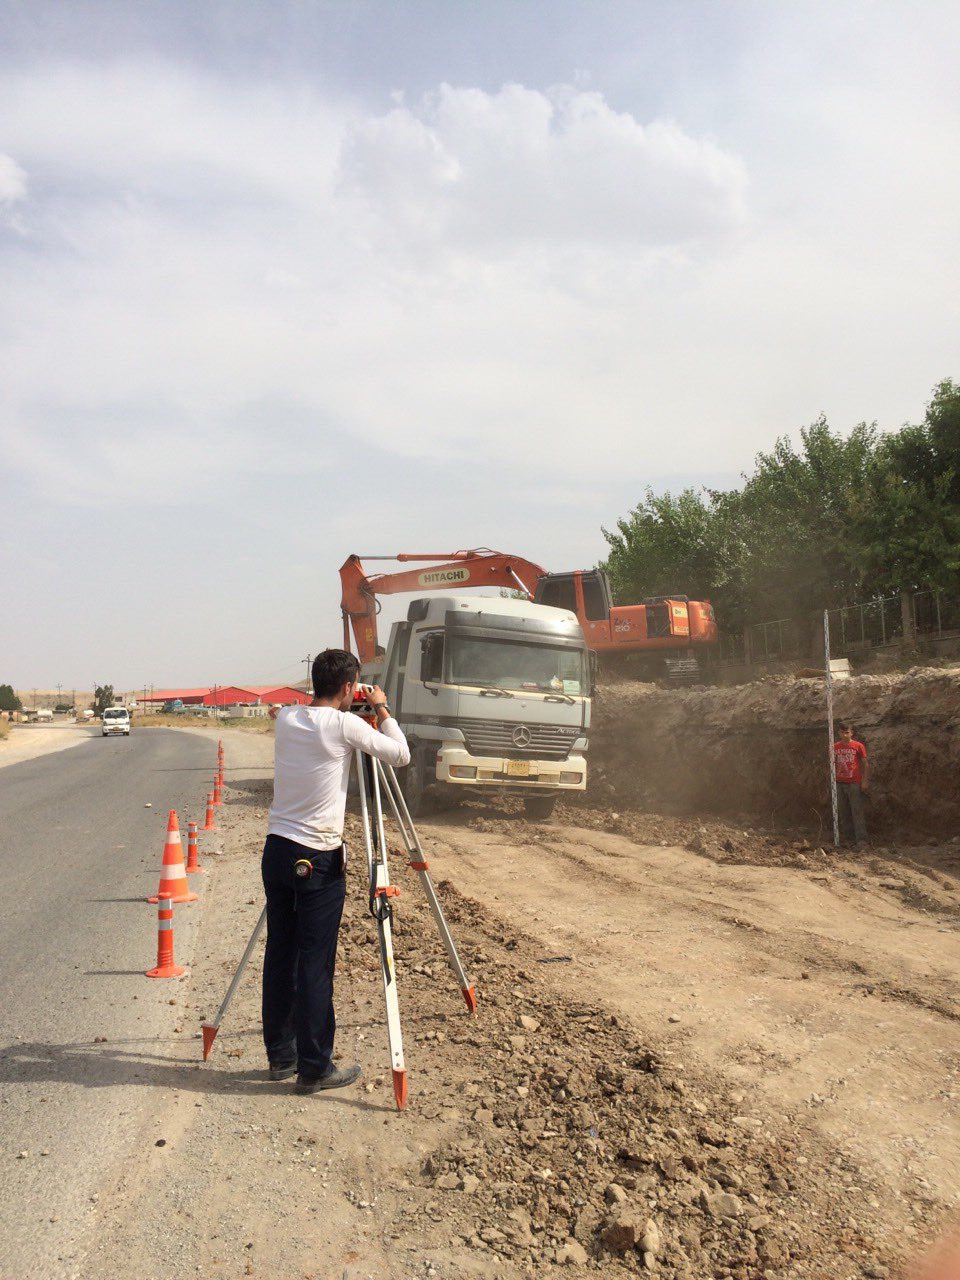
[(593, 672), (431, 657)]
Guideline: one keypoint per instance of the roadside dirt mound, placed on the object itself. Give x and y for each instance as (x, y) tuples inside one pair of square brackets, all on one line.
[(758, 752)]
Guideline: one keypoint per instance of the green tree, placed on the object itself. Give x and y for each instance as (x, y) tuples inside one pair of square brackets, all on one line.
[(8, 699), (102, 698), (798, 540), (908, 515), (943, 431), (836, 519), (668, 543)]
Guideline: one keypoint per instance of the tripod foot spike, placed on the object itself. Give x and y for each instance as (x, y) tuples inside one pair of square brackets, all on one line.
[(400, 1088), (470, 995), (209, 1035)]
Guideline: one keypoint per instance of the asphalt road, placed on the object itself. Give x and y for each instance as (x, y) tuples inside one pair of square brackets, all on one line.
[(79, 852)]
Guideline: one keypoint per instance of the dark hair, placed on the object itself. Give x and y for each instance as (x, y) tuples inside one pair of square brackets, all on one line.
[(845, 724), (332, 669)]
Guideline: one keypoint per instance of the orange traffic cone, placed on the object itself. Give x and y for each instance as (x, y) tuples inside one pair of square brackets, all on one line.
[(165, 966), (217, 799), (210, 824), (173, 878), (193, 852)]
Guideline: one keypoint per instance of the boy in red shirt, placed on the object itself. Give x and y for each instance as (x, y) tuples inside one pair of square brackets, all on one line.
[(853, 783)]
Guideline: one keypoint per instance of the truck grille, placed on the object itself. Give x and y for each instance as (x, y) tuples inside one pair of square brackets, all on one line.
[(495, 738)]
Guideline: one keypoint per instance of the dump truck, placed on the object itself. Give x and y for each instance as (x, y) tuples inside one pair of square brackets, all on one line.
[(493, 695)]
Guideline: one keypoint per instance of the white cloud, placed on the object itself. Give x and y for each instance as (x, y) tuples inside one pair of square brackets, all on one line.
[(521, 167), (13, 180), (427, 278), (214, 273)]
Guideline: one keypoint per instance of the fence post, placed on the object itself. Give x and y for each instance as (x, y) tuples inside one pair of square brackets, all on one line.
[(747, 646), (909, 621)]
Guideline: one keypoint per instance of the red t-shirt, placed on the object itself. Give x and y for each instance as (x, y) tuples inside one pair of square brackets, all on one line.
[(847, 757)]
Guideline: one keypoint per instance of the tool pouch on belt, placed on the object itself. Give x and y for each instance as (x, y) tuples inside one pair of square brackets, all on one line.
[(304, 868)]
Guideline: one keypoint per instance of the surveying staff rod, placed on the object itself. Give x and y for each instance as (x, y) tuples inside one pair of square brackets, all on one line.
[(415, 850), (830, 751), (210, 1029)]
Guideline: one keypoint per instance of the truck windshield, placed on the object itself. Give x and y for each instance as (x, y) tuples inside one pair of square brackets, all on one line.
[(508, 664), (114, 714)]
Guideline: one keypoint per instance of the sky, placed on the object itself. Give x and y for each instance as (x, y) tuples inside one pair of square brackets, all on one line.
[(286, 282)]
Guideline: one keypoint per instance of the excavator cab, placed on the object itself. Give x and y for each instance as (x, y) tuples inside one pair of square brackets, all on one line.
[(592, 602)]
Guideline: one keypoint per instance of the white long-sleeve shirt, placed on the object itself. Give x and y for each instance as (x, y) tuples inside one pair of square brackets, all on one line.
[(312, 757)]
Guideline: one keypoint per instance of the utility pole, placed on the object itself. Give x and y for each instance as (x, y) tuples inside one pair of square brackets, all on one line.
[(308, 662)]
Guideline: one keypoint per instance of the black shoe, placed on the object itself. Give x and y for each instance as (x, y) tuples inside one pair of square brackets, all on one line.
[(336, 1078), (284, 1072)]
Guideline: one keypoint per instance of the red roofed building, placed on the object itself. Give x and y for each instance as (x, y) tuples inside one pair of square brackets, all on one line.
[(231, 695), (228, 695), (283, 694)]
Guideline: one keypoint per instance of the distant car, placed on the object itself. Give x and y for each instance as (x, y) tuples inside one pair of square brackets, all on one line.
[(116, 720), (44, 713)]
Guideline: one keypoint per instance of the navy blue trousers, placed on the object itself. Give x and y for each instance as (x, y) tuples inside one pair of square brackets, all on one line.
[(303, 923)]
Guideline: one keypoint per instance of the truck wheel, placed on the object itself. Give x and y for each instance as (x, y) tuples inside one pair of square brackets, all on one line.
[(413, 784), (539, 808)]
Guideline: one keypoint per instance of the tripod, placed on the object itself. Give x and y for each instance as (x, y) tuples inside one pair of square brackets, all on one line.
[(374, 780)]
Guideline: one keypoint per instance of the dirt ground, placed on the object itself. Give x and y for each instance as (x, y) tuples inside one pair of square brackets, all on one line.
[(700, 1051), (27, 741)]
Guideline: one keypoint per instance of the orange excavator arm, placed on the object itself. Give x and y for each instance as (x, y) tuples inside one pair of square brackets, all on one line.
[(480, 567)]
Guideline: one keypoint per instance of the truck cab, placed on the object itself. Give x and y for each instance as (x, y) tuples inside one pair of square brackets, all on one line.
[(491, 694)]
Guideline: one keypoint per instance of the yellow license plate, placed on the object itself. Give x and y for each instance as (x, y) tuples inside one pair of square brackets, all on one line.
[(518, 768)]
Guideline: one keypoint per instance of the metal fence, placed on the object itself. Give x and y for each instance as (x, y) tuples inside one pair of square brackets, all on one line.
[(777, 639), (854, 628), (936, 613), (863, 626)]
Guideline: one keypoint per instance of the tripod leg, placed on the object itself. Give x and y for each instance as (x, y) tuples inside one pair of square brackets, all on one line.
[(210, 1029), (381, 891), (419, 864)]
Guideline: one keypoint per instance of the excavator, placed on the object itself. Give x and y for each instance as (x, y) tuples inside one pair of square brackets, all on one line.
[(667, 632)]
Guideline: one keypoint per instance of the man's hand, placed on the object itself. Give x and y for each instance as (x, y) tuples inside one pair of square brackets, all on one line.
[(376, 697)]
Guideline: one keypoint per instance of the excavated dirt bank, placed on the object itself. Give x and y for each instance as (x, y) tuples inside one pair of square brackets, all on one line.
[(758, 752)]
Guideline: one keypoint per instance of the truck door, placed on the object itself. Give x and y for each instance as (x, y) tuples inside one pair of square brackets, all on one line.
[(594, 613)]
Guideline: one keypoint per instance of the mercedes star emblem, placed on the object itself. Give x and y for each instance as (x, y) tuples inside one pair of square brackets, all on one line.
[(522, 736)]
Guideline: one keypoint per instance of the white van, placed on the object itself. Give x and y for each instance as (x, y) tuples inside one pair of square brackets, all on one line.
[(44, 715), (116, 720)]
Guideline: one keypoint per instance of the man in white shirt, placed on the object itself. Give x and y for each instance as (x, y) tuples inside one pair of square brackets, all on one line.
[(304, 867)]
